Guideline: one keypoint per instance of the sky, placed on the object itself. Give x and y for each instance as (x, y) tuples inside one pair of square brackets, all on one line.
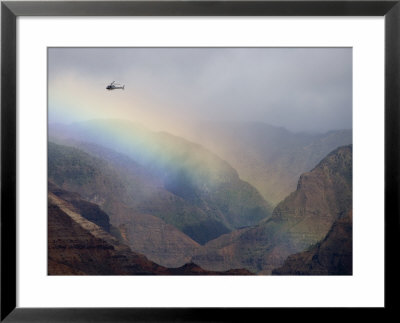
[(300, 89)]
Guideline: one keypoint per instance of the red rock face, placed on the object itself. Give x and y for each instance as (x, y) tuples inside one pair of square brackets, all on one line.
[(143, 233), (77, 246), (74, 250)]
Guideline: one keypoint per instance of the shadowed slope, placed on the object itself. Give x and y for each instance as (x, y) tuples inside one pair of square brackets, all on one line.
[(144, 233), (77, 246)]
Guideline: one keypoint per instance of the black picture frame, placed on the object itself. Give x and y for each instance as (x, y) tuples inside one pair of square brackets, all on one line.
[(10, 10)]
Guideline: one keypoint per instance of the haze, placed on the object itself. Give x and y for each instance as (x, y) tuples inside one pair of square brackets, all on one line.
[(301, 89)]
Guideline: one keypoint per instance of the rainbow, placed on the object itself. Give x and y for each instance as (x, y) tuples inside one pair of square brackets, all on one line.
[(115, 121), (158, 151)]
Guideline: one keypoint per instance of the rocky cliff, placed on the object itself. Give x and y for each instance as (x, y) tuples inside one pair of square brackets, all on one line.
[(332, 256), (194, 190), (78, 246), (303, 219)]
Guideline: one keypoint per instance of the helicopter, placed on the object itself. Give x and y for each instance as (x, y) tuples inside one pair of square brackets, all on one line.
[(114, 86)]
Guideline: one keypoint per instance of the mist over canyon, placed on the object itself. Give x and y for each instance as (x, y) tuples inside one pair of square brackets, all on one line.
[(224, 198)]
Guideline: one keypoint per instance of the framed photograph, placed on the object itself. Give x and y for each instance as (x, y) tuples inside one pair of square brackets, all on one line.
[(186, 160)]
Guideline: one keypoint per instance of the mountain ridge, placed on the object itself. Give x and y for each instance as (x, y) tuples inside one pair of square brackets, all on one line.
[(161, 202), (302, 219), (268, 157), (196, 175)]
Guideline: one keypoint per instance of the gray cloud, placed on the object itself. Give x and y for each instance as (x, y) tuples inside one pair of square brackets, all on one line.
[(302, 89)]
